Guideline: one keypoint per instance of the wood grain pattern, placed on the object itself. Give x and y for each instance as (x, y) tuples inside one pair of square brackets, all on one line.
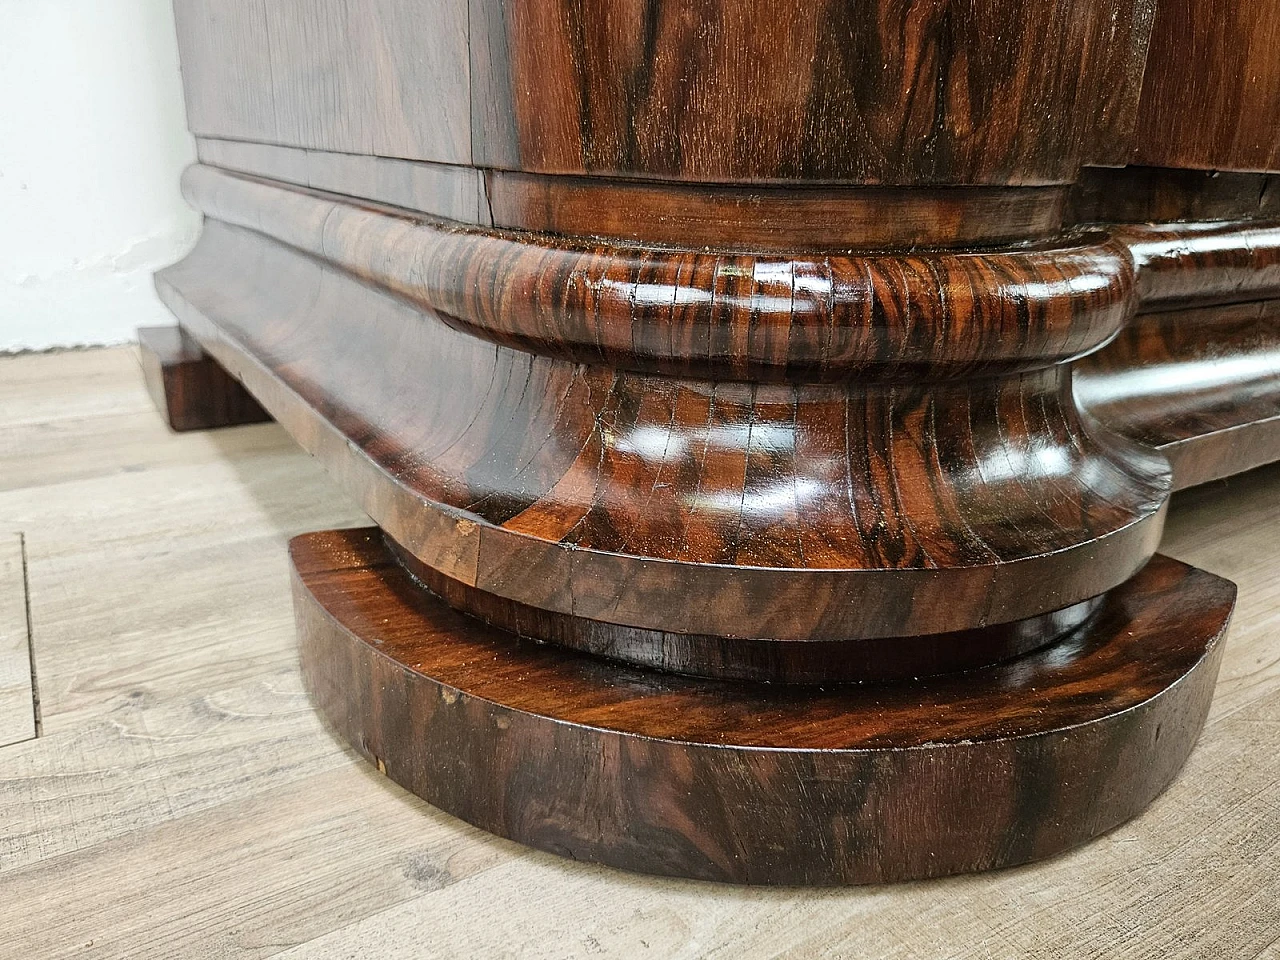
[(1202, 386), (759, 217), (17, 684), (883, 92), (1188, 264), (226, 68), (449, 191), (763, 659), (685, 312), (887, 92), (386, 77), (953, 485), (1212, 88), (769, 217), (192, 391), (704, 428), (796, 511), (1161, 194), (746, 784)]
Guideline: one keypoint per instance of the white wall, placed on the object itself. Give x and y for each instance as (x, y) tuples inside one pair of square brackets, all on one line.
[(92, 141)]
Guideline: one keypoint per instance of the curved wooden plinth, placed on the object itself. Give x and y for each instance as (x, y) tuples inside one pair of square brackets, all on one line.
[(1202, 386), (755, 783)]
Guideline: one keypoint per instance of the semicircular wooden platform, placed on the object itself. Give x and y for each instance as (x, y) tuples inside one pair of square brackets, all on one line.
[(854, 783)]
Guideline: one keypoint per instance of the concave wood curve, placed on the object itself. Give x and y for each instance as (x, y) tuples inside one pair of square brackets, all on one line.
[(761, 659), (785, 511)]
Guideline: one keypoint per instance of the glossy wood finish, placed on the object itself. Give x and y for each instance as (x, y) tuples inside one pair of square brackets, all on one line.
[(753, 784), (187, 779), (887, 91), (188, 387), (716, 316), (1201, 386), (1192, 264), (765, 658), (760, 217), (757, 217), (1211, 93), (792, 511)]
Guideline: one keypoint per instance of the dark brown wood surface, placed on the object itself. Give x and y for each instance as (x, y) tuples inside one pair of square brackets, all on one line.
[(765, 658), (188, 387), (748, 341), (1201, 385), (882, 92), (793, 511), (748, 783), (763, 217), (1137, 194), (888, 91), (723, 315), (1211, 94), (1192, 264), (387, 77)]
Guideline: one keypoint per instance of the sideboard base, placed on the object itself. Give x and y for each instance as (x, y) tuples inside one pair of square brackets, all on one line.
[(760, 783)]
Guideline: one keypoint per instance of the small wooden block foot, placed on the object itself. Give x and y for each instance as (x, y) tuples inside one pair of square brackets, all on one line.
[(760, 783), (188, 387)]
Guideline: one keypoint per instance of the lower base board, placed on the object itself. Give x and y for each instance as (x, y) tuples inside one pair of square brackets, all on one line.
[(753, 783)]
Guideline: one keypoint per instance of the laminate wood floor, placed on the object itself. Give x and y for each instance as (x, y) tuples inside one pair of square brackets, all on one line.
[(182, 799)]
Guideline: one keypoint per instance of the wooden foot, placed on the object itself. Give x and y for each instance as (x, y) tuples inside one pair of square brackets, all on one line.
[(758, 783), (188, 387)]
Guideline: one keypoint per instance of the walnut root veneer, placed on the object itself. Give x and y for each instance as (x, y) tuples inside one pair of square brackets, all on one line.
[(769, 411)]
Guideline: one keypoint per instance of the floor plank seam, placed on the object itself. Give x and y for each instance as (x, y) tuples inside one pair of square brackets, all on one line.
[(31, 643)]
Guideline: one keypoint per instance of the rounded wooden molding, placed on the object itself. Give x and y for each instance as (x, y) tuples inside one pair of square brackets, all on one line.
[(751, 783), (704, 313), (785, 511), (1194, 264)]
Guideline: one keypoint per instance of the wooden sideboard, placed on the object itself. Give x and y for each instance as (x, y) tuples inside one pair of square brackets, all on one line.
[(768, 409)]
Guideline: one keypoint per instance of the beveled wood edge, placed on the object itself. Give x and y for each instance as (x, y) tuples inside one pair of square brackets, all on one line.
[(1182, 265), (782, 215), (1142, 194), (757, 659), (1222, 453), (1239, 239), (1223, 419)]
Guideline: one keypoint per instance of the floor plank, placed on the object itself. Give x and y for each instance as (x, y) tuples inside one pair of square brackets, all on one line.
[(185, 801)]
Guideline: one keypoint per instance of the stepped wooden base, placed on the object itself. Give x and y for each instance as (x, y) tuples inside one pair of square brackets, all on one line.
[(841, 562), (758, 783), (188, 387)]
